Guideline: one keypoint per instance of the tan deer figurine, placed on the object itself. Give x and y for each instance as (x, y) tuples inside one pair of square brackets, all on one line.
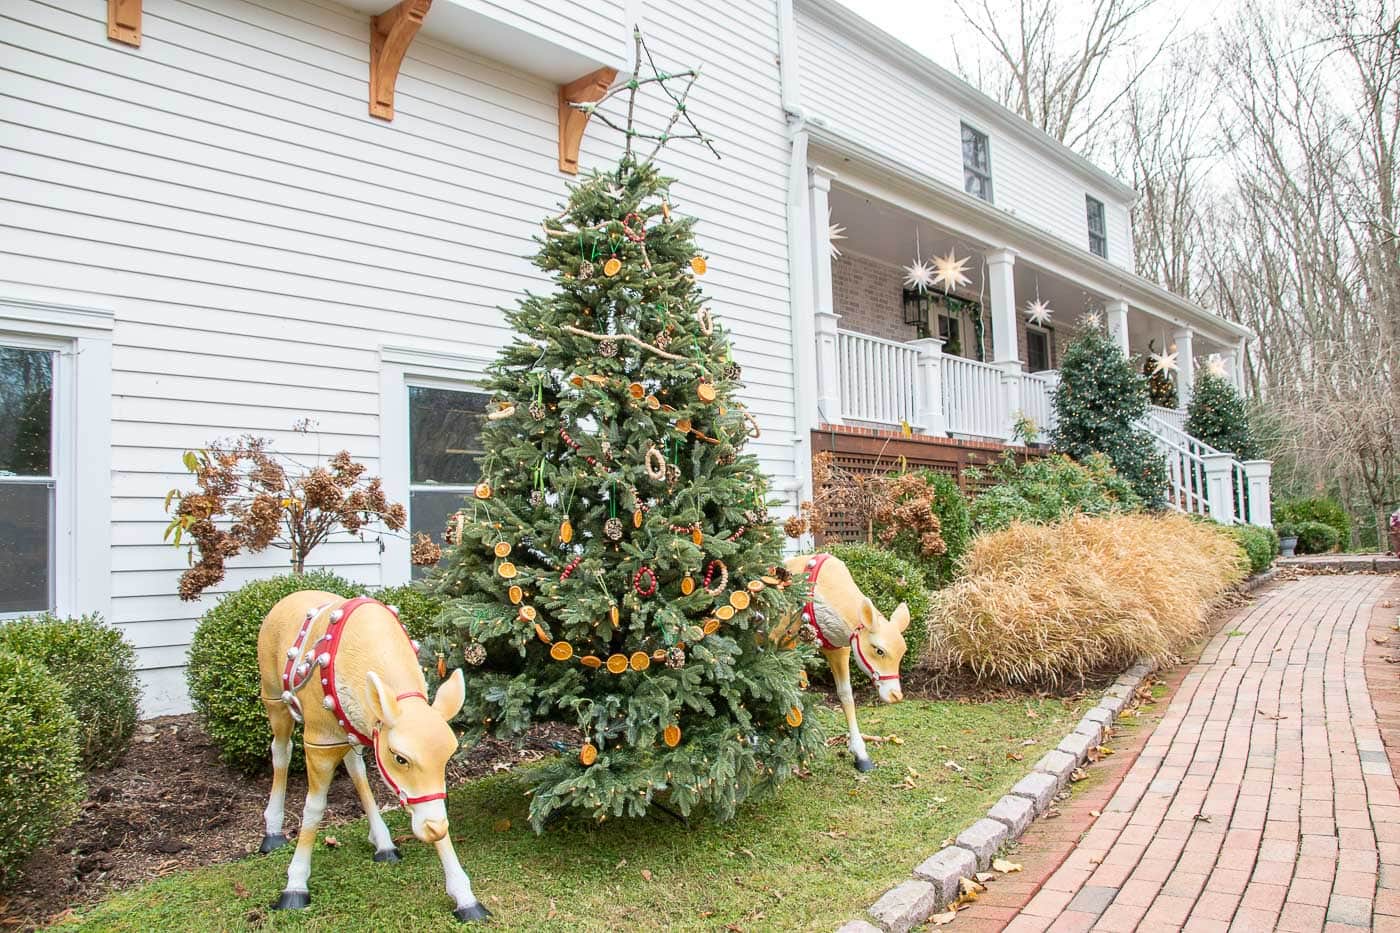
[(845, 624), (347, 670)]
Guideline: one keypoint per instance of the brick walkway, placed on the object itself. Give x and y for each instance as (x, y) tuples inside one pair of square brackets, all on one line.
[(1264, 800)]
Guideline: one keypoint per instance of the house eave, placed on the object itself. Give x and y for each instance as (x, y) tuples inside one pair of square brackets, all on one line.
[(1005, 230), (873, 37)]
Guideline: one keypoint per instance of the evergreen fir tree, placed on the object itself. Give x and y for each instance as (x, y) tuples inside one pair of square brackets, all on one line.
[(1099, 404), (1218, 416), (617, 570)]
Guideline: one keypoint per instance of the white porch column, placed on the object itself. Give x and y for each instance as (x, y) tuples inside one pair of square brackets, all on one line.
[(1001, 289), (823, 307), (1220, 495), (1116, 312), (1258, 479), (1186, 366), (930, 387), (1237, 366)]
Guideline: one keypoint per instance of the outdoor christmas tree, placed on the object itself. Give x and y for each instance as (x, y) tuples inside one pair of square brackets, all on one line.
[(1160, 388), (617, 570), (1099, 404), (1217, 415)]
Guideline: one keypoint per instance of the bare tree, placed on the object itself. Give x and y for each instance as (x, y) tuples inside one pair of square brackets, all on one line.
[(1058, 85)]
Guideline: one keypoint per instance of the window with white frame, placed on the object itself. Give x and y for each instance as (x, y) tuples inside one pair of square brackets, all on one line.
[(1098, 229), (27, 477), (444, 443), (977, 163), (1038, 353)]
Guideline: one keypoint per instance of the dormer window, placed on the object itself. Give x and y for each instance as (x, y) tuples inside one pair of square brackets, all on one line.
[(1098, 231), (977, 163)]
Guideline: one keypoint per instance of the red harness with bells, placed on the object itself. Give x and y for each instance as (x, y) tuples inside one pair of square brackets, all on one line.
[(296, 675), (809, 612)]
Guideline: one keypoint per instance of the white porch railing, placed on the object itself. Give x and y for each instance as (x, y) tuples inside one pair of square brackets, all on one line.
[(878, 380), (972, 398), (1038, 400), (1186, 464), (1172, 416)]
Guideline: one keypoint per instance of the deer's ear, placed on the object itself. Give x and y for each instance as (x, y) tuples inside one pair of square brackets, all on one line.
[(867, 613), (900, 616), (382, 705), (448, 701)]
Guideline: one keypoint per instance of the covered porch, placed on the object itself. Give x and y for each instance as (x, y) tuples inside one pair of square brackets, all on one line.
[(968, 359)]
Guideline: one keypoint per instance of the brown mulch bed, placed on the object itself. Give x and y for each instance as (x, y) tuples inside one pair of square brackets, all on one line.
[(171, 805)]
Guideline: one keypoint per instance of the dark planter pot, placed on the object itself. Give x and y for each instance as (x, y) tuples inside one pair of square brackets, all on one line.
[(1286, 546)]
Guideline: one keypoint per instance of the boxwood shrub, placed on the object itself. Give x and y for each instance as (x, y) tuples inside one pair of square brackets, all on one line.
[(41, 783), (223, 666), (888, 580), (1317, 509), (97, 669), (1045, 490), (1316, 538), (1260, 545), (417, 610)]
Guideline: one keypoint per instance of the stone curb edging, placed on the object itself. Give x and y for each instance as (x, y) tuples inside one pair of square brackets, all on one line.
[(935, 880)]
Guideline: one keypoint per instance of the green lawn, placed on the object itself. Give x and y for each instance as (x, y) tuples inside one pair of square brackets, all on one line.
[(808, 858)]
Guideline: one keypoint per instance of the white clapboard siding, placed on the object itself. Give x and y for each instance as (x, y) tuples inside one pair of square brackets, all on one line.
[(259, 237), (868, 93)]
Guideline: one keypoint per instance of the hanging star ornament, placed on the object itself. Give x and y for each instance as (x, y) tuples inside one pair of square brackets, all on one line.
[(834, 232), (1216, 366), (918, 275), (1163, 363), (1091, 319), (1039, 311), (948, 271)]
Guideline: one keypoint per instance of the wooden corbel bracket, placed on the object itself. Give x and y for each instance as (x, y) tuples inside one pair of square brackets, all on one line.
[(124, 21), (390, 34), (572, 122)]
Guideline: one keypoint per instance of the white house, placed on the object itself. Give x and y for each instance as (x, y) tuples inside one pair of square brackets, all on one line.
[(227, 216)]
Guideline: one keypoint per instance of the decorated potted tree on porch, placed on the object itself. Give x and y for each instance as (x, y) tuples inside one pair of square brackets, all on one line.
[(616, 569)]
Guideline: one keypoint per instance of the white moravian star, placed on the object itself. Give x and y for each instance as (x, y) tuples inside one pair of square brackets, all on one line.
[(1163, 363), (1039, 311), (948, 272), (918, 275), (1216, 366), (1091, 319), (834, 232)]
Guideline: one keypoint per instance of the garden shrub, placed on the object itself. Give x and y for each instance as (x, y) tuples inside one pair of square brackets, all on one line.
[(1218, 416), (41, 783), (1260, 545), (417, 610), (1316, 538), (97, 669), (223, 665), (1316, 509), (888, 580), (1046, 604), (950, 505), (1048, 489)]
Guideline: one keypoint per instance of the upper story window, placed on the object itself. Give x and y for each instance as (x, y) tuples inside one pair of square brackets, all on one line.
[(977, 163), (1098, 230)]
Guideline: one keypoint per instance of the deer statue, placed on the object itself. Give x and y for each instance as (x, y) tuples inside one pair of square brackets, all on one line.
[(845, 623), (347, 670)]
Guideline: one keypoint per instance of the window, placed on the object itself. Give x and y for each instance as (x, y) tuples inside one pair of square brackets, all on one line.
[(26, 478), (977, 163), (444, 431), (1098, 231), (1038, 350), (948, 330)]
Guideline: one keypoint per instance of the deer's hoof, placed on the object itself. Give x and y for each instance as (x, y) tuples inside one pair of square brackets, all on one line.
[(387, 855), (864, 764), (293, 900), (472, 912), (272, 842)]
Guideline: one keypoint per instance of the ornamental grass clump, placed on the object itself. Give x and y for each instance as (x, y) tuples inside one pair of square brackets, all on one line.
[(1046, 605)]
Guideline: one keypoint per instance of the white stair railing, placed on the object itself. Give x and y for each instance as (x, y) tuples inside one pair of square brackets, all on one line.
[(972, 398), (1202, 480), (878, 379)]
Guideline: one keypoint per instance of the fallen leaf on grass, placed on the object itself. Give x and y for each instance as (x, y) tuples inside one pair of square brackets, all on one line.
[(834, 834), (1015, 756), (240, 889), (1005, 866), (553, 910), (1027, 743), (331, 842), (500, 826), (619, 864), (646, 874), (952, 765)]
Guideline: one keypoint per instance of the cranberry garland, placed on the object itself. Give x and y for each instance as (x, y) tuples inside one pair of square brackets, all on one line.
[(569, 570), (710, 575), (575, 446), (647, 588)]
